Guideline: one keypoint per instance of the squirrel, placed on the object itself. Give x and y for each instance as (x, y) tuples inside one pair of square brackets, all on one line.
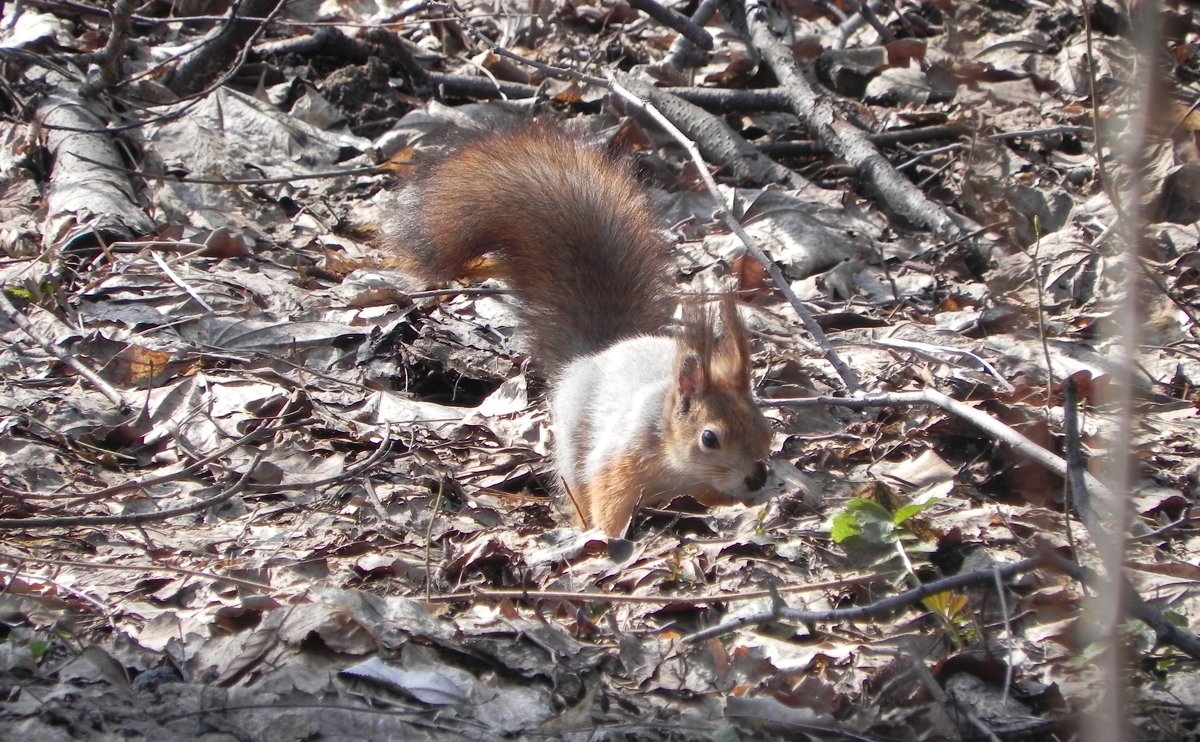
[(640, 414)]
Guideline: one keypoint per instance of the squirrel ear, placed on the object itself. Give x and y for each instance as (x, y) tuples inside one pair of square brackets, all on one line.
[(731, 361), (689, 380)]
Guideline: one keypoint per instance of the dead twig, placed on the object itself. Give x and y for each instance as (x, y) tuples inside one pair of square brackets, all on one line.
[(358, 469), (135, 568), (437, 508), (863, 12), (62, 355), (109, 58), (143, 484), (878, 609), (512, 594), (1165, 631), (914, 135), (849, 143), (222, 52), (178, 280), (720, 100), (135, 518), (1077, 491), (62, 587), (290, 178), (88, 200), (682, 50), (675, 21), (990, 425)]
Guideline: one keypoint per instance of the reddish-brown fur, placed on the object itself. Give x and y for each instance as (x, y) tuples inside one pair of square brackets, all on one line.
[(565, 221), (610, 499), (572, 232)]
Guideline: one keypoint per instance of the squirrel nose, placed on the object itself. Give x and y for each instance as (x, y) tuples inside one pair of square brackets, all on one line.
[(756, 479)]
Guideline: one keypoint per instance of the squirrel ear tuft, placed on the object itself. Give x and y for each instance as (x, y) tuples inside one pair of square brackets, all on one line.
[(731, 360), (689, 380)]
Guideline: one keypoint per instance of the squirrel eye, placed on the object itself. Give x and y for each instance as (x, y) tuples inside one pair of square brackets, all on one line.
[(709, 439)]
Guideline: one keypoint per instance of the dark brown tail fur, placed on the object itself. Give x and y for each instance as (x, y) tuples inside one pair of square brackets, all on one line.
[(571, 232)]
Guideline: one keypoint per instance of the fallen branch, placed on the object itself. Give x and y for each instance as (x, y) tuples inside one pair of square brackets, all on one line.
[(675, 21), (988, 424), (849, 143), (222, 51), (878, 609), (682, 50), (139, 569), (109, 58), (135, 519), (89, 201), (534, 595), (718, 143), (64, 356), (1165, 631), (914, 135), (713, 99), (79, 498)]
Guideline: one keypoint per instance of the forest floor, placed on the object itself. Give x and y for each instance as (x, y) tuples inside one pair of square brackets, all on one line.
[(257, 484)]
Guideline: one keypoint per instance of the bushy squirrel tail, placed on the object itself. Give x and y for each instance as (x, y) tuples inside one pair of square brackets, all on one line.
[(566, 226)]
